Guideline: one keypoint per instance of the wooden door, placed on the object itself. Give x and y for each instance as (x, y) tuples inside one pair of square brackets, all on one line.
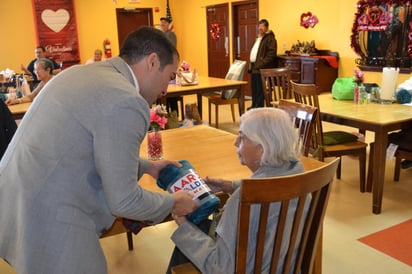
[(218, 47), (130, 19), (245, 31)]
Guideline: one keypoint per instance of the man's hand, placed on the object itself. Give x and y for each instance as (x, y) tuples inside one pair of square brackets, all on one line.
[(184, 203), (154, 167)]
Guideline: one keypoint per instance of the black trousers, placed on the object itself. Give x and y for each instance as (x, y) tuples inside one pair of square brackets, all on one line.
[(258, 99)]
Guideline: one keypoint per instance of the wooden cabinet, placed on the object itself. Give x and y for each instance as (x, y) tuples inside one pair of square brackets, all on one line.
[(321, 70)]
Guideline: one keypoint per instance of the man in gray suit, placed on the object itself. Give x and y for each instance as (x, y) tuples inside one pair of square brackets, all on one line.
[(73, 163)]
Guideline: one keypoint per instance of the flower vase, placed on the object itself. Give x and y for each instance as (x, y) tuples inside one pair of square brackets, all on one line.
[(154, 145), (359, 94)]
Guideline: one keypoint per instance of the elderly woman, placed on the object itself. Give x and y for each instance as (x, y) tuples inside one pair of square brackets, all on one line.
[(43, 68), (266, 144)]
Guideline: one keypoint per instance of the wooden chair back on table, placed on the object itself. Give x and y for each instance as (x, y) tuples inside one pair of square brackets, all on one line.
[(275, 83), (293, 193), (304, 118), (307, 94)]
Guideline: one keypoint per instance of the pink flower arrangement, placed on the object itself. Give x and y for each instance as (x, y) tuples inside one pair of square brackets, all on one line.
[(185, 66), (358, 77), (158, 117)]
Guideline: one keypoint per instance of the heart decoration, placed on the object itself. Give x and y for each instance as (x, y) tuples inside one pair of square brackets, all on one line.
[(55, 20), (374, 15), (308, 20)]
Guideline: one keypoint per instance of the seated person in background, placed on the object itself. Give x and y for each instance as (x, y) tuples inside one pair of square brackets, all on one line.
[(7, 127), (40, 52), (98, 56), (403, 139), (43, 68), (266, 145)]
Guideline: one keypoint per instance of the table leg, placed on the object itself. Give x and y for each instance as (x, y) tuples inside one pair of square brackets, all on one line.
[(379, 160), (199, 104), (241, 100)]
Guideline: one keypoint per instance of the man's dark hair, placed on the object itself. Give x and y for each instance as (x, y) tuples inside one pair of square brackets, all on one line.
[(165, 19), (147, 40), (264, 22), (42, 48)]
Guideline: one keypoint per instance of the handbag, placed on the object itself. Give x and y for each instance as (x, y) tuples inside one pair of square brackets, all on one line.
[(188, 78), (342, 89)]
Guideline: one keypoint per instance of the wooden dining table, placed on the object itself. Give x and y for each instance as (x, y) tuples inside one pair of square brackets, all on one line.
[(19, 110), (375, 117), (207, 85)]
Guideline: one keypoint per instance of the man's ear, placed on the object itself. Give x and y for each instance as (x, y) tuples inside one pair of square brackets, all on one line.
[(152, 61)]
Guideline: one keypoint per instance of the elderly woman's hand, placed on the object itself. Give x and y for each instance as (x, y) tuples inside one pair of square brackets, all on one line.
[(217, 185), (179, 219)]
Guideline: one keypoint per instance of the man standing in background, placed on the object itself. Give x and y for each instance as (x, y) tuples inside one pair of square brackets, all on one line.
[(165, 26), (262, 55)]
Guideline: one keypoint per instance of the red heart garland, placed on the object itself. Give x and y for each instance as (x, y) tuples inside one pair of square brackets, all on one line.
[(308, 20)]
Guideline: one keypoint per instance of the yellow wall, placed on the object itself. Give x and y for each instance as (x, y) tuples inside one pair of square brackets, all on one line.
[(96, 20)]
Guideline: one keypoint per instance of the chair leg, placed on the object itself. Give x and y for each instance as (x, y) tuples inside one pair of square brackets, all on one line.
[(182, 108), (362, 170), (338, 170), (209, 105), (217, 115), (397, 173), (129, 240), (370, 171), (232, 108)]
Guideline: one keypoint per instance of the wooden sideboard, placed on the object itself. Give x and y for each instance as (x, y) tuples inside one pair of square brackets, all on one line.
[(321, 69)]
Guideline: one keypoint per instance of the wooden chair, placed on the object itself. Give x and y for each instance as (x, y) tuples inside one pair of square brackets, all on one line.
[(226, 97), (118, 228), (304, 119), (306, 94), (275, 83), (400, 154), (302, 200)]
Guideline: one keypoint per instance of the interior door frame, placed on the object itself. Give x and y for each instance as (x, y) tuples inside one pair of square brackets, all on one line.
[(147, 21), (235, 32)]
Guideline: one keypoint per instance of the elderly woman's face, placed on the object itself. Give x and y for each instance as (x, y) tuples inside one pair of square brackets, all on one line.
[(249, 153)]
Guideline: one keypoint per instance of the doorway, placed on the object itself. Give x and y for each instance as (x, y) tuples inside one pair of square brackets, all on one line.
[(129, 19), (218, 40), (245, 30)]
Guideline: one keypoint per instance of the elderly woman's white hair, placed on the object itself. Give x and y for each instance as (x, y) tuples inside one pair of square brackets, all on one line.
[(271, 128)]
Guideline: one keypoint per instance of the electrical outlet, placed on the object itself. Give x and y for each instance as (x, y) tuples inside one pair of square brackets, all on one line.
[(285, 46)]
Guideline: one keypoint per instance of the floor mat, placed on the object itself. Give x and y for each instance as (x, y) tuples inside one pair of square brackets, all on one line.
[(395, 241)]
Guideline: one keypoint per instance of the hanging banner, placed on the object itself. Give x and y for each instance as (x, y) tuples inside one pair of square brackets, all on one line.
[(56, 29)]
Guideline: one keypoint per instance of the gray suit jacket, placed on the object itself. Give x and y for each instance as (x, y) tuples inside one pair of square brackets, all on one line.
[(71, 167)]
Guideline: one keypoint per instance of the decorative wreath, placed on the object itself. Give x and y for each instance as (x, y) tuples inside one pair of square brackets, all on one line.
[(377, 21), (215, 31)]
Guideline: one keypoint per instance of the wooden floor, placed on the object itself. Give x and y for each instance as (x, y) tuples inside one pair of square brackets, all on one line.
[(348, 218)]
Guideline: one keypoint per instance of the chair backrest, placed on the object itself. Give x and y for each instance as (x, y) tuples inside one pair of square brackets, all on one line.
[(304, 119), (236, 72), (307, 94), (290, 240), (7, 127), (275, 84)]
